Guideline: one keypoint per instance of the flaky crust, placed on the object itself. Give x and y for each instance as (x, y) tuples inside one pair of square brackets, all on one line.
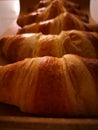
[(54, 9), (64, 21), (44, 3), (22, 46), (51, 86), (50, 12)]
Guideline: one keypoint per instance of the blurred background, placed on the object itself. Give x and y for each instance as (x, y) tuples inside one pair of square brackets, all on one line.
[(9, 11), (94, 10)]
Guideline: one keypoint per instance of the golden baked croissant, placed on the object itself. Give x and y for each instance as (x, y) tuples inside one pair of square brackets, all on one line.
[(18, 47), (69, 5), (44, 3), (53, 10), (65, 21), (49, 86)]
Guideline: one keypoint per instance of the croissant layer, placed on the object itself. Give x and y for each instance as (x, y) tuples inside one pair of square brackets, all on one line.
[(64, 21), (54, 9), (23, 46), (51, 86)]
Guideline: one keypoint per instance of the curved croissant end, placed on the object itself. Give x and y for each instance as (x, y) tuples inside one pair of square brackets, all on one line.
[(51, 86)]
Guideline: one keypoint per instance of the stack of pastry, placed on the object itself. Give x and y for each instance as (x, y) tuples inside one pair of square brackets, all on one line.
[(53, 68)]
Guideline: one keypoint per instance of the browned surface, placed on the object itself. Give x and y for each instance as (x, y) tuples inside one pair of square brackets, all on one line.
[(11, 118)]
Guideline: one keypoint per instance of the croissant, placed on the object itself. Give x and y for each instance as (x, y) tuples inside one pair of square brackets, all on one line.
[(18, 47), (69, 5), (3, 60), (44, 3), (50, 86), (65, 21), (53, 10)]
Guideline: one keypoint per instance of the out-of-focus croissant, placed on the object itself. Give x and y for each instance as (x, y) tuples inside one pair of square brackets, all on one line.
[(53, 10), (66, 3), (72, 7), (64, 21), (51, 86), (44, 3), (18, 47)]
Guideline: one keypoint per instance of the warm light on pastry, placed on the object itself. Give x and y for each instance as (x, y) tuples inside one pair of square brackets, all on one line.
[(36, 44), (54, 9), (52, 61), (51, 86)]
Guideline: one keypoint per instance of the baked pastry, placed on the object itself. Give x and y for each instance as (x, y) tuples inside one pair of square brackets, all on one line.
[(66, 3), (44, 3), (64, 21), (72, 7), (19, 47), (48, 86), (51, 86), (54, 9)]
